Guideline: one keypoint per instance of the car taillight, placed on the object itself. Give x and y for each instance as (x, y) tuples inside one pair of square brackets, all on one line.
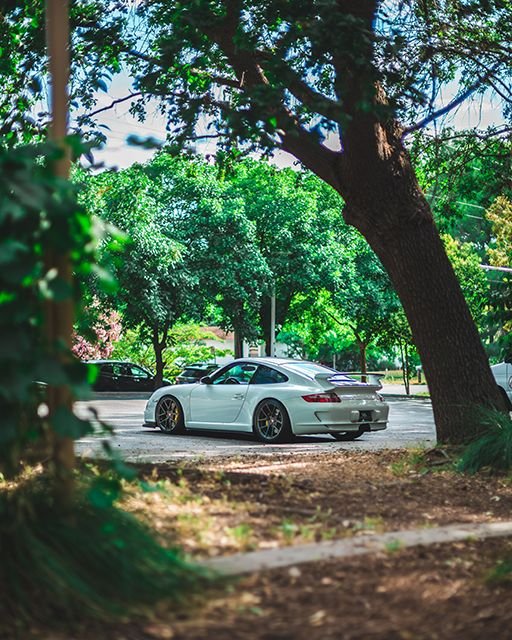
[(322, 397)]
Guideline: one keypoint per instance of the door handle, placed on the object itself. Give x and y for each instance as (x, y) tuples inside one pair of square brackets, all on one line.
[(238, 396)]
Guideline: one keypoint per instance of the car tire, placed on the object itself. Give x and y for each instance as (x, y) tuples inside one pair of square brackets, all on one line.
[(169, 415), (271, 423), (346, 436)]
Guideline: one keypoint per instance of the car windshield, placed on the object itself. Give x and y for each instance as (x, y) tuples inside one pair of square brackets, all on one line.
[(310, 369)]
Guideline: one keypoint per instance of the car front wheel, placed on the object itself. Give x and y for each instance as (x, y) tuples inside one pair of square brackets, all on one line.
[(169, 415), (271, 422)]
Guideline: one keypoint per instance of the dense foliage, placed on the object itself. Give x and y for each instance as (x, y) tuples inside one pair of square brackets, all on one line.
[(39, 215), (331, 292)]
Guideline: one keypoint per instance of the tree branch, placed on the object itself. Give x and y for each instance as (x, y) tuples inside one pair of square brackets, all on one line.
[(451, 105), (220, 80), (300, 89), (313, 155), (110, 106)]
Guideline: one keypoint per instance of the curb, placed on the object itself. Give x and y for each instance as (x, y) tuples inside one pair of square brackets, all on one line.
[(264, 560)]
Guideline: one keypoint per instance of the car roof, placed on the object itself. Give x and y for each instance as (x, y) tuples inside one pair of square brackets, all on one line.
[(111, 362), (272, 360), (200, 365)]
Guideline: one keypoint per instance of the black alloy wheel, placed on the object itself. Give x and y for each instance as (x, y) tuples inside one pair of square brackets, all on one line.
[(169, 415), (271, 422), (345, 436)]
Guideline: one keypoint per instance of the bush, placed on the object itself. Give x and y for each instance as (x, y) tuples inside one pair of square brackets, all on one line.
[(89, 561), (493, 449)]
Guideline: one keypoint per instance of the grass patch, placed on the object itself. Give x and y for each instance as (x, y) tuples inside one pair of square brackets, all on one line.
[(89, 561), (492, 450)]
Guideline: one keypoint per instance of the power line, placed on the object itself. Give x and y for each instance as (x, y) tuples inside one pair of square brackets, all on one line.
[(468, 204), (488, 267)]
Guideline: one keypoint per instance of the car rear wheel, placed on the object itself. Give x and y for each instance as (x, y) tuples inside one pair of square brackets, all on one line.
[(271, 423), (169, 415), (345, 436)]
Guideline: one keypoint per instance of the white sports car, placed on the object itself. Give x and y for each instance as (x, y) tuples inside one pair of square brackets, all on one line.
[(274, 398)]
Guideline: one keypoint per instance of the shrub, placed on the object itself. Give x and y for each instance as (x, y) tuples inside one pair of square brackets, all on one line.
[(492, 450), (91, 560)]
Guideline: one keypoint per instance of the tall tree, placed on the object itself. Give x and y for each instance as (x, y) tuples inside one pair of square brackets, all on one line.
[(462, 172), (191, 245), (297, 224), (219, 238), (283, 74), (363, 298), (500, 256), (155, 288)]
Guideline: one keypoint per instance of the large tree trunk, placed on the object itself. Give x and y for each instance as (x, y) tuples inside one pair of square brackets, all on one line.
[(443, 330), (59, 315), (398, 224), (384, 201)]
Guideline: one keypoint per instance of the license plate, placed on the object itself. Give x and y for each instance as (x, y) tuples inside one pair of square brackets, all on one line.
[(365, 416)]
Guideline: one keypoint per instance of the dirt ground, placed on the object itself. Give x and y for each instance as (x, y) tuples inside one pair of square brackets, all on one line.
[(222, 507)]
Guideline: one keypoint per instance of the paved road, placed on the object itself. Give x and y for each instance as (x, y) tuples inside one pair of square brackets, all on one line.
[(411, 424)]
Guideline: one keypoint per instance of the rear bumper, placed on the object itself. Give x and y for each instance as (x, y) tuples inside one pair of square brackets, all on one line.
[(345, 417), (311, 428)]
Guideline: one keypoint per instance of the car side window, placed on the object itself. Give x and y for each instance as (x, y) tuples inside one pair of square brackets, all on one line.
[(137, 372), (236, 374), (266, 375)]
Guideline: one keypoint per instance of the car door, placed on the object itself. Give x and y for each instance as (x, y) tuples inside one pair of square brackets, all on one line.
[(218, 405), (266, 382), (108, 378)]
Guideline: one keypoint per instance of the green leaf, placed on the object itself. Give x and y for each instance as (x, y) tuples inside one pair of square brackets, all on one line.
[(104, 492), (67, 425)]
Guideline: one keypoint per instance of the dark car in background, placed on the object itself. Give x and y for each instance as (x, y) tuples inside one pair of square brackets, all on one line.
[(194, 372), (118, 375)]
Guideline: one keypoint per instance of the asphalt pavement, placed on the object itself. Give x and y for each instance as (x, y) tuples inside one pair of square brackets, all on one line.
[(411, 424)]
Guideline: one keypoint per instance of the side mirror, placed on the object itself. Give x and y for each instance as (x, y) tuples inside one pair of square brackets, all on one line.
[(205, 380)]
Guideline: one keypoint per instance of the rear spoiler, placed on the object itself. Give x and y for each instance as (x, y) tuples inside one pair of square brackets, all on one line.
[(342, 379)]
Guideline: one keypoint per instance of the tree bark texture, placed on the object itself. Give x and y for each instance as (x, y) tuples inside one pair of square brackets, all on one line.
[(406, 375), (362, 359), (159, 363), (59, 316), (238, 344)]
